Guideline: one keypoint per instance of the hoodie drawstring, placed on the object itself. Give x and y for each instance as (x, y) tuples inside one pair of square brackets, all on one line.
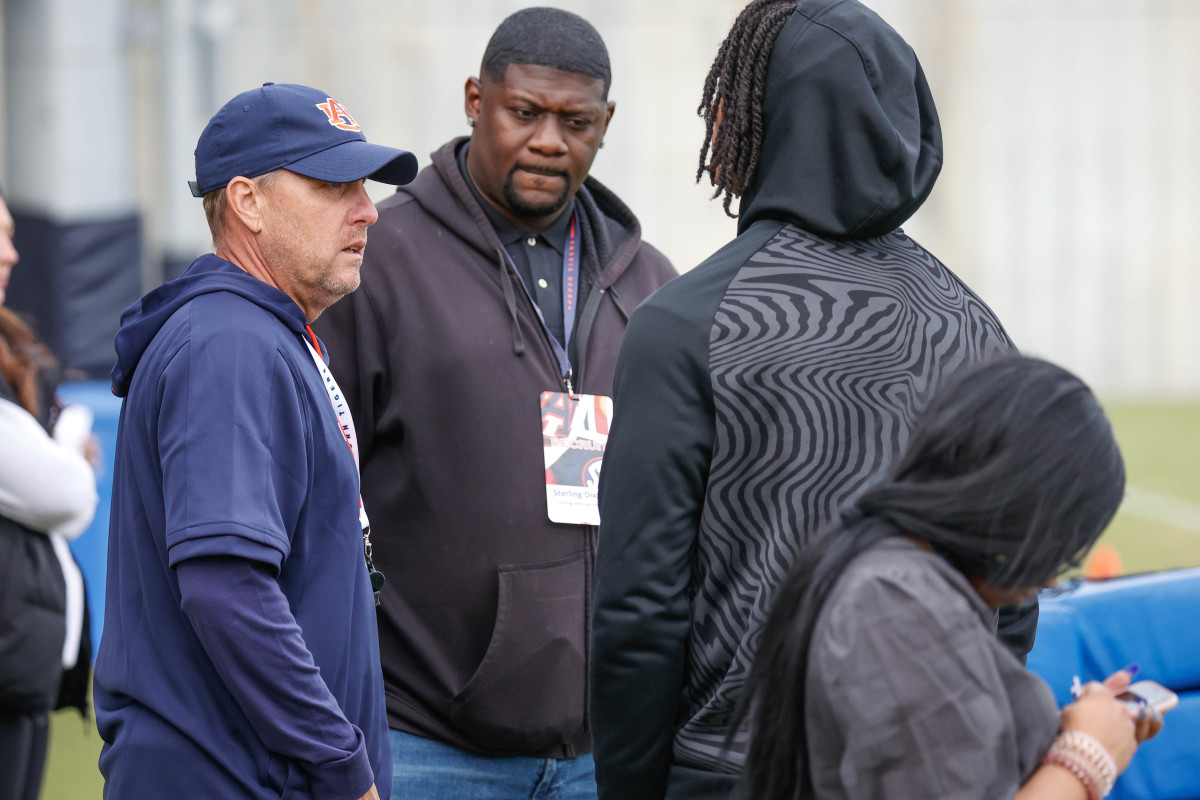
[(510, 298)]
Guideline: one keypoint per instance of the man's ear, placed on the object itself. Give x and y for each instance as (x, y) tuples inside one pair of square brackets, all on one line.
[(608, 117), (244, 199), (472, 98)]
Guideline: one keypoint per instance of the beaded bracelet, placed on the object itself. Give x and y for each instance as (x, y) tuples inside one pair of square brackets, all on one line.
[(1096, 753), (1079, 770), (1086, 759)]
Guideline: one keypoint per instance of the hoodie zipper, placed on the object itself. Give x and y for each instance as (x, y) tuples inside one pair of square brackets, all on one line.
[(586, 320)]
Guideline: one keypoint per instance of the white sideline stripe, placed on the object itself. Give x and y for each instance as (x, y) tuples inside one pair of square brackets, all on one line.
[(1158, 507)]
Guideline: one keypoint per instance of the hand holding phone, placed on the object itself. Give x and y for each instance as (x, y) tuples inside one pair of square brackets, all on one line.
[(1142, 695), (1144, 701)]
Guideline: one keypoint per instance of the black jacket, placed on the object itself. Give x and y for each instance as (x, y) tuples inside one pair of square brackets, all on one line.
[(483, 626), (760, 391), (33, 605)]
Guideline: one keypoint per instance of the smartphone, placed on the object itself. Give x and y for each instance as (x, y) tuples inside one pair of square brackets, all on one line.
[(1148, 693)]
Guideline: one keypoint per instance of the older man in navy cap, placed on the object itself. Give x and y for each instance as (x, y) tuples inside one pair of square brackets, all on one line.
[(239, 657)]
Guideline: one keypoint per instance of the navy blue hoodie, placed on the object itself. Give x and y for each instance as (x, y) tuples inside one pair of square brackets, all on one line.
[(240, 656)]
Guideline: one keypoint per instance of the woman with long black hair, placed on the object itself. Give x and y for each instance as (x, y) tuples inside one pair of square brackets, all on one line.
[(878, 673)]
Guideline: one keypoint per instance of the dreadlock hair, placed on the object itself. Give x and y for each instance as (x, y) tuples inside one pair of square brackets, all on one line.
[(1011, 472), (547, 37), (733, 92)]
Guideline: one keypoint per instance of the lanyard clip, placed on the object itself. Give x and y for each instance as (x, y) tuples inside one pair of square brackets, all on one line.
[(377, 577)]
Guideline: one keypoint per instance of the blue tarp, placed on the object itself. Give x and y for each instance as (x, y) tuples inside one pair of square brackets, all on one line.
[(91, 548)]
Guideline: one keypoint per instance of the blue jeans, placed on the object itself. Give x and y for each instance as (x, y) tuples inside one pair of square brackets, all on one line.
[(423, 769)]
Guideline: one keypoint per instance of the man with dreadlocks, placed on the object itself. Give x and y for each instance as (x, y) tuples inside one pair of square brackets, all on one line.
[(763, 389), (496, 284)]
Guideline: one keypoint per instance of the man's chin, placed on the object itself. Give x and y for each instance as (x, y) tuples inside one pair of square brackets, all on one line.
[(535, 205), (341, 287), (531, 211)]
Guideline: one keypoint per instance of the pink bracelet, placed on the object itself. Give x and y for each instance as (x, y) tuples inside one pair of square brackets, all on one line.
[(1095, 753), (1086, 759), (1077, 769)]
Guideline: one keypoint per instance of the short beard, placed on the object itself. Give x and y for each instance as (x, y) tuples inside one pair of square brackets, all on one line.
[(340, 288), (336, 289), (520, 208)]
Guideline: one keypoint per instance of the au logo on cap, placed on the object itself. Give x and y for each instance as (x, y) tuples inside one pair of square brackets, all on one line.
[(338, 116)]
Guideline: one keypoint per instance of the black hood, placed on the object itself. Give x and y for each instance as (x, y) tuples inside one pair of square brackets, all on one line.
[(851, 140)]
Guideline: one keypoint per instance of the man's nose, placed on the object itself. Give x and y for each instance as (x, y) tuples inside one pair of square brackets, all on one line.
[(548, 137), (364, 210)]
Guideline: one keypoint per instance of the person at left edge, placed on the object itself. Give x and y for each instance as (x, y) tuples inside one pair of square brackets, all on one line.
[(239, 656)]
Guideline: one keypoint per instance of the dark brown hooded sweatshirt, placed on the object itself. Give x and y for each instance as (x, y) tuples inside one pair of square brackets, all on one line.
[(484, 619)]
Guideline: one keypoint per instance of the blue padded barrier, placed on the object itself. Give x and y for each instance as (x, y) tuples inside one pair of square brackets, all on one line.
[(91, 548), (1149, 620)]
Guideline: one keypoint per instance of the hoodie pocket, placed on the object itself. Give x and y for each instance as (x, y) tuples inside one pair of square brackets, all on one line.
[(527, 694)]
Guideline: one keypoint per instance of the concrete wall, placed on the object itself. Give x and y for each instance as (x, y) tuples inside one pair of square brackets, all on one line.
[(1067, 199), (1069, 194)]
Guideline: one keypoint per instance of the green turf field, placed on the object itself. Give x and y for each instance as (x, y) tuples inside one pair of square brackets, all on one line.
[(71, 772), (1158, 527)]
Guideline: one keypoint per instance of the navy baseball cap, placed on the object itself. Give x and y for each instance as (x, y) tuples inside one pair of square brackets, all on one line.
[(292, 127)]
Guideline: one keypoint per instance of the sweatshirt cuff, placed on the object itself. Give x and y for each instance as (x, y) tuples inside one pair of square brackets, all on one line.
[(348, 778)]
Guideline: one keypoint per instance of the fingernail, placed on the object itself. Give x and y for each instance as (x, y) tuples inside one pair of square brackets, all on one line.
[(1132, 669)]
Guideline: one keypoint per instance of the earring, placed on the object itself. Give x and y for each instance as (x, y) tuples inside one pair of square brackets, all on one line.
[(470, 122)]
